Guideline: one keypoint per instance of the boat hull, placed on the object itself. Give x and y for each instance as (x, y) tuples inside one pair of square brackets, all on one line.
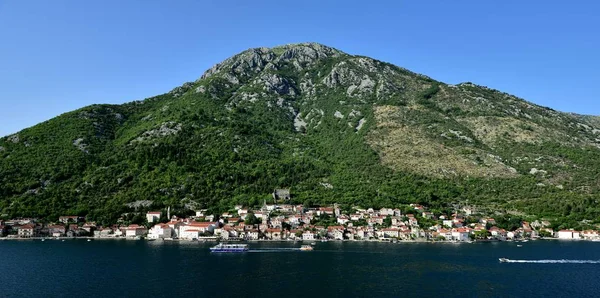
[(228, 250)]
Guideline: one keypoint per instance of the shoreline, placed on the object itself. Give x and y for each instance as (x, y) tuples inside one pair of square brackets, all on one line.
[(283, 241)]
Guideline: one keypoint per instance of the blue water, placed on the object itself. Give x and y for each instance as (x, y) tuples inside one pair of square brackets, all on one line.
[(120, 268)]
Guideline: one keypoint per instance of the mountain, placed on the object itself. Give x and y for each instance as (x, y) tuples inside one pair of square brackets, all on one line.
[(330, 126)]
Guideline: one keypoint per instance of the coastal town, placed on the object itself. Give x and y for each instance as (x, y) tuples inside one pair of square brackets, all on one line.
[(289, 222)]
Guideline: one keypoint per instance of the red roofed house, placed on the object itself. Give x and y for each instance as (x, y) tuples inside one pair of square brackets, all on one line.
[(308, 235), (343, 219), (194, 229), (160, 231), (135, 230), (26, 231), (391, 233), (447, 234), (497, 233), (460, 234), (56, 230), (335, 232)]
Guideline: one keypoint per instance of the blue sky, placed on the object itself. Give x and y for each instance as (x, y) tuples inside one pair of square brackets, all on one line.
[(58, 56)]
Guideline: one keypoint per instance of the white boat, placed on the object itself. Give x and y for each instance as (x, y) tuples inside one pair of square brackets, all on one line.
[(89, 240), (221, 247), (503, 260), (313, 243), (519, 245)]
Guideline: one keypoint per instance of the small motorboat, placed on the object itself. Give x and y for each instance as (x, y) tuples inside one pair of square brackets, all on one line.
[(519, 245), (306, 248), (503, 260), (313, 243), (89, 240)]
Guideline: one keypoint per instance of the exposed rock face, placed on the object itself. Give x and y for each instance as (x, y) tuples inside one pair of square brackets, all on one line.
[(361, 122), (299, 123), (139, 204), (13, 138), (275, 83), (259, 59), (81, 145), (166, 129), (307, 54), (179, 91), (340, 75)]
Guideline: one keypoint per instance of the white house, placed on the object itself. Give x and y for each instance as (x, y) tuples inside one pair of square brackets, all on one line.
[(160, 231), (189, 233), (499, 234), (567, 234), (175, 225), (194, 229), (308, 235), (460, 234), (152, 216), (386, 211), (224, 234), (26, 231), (510, 235), (343, 219), (447, 223), (391, 233), (447, 234), (336, 232), (252, 235), (355, 216), (135, 230)]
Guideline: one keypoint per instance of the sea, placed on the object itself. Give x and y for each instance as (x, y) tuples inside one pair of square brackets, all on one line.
[(130, 268)]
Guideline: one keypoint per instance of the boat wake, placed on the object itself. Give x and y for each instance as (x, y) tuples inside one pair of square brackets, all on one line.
[(274, 250), (553, 261)]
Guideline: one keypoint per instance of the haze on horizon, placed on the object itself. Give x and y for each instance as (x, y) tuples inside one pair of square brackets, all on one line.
[(60, 56)]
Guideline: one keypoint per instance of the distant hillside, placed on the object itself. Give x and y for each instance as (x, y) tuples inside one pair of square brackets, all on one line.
[(331, 126)]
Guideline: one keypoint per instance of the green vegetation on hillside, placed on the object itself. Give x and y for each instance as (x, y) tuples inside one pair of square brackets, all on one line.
[(332, 127)]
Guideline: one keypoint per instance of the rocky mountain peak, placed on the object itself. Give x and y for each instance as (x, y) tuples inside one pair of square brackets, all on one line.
[(255, 60)]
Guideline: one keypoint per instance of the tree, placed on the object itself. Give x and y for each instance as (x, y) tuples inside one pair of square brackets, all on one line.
[(481, 234), (387, 222), (545, 234), (251, 219)]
